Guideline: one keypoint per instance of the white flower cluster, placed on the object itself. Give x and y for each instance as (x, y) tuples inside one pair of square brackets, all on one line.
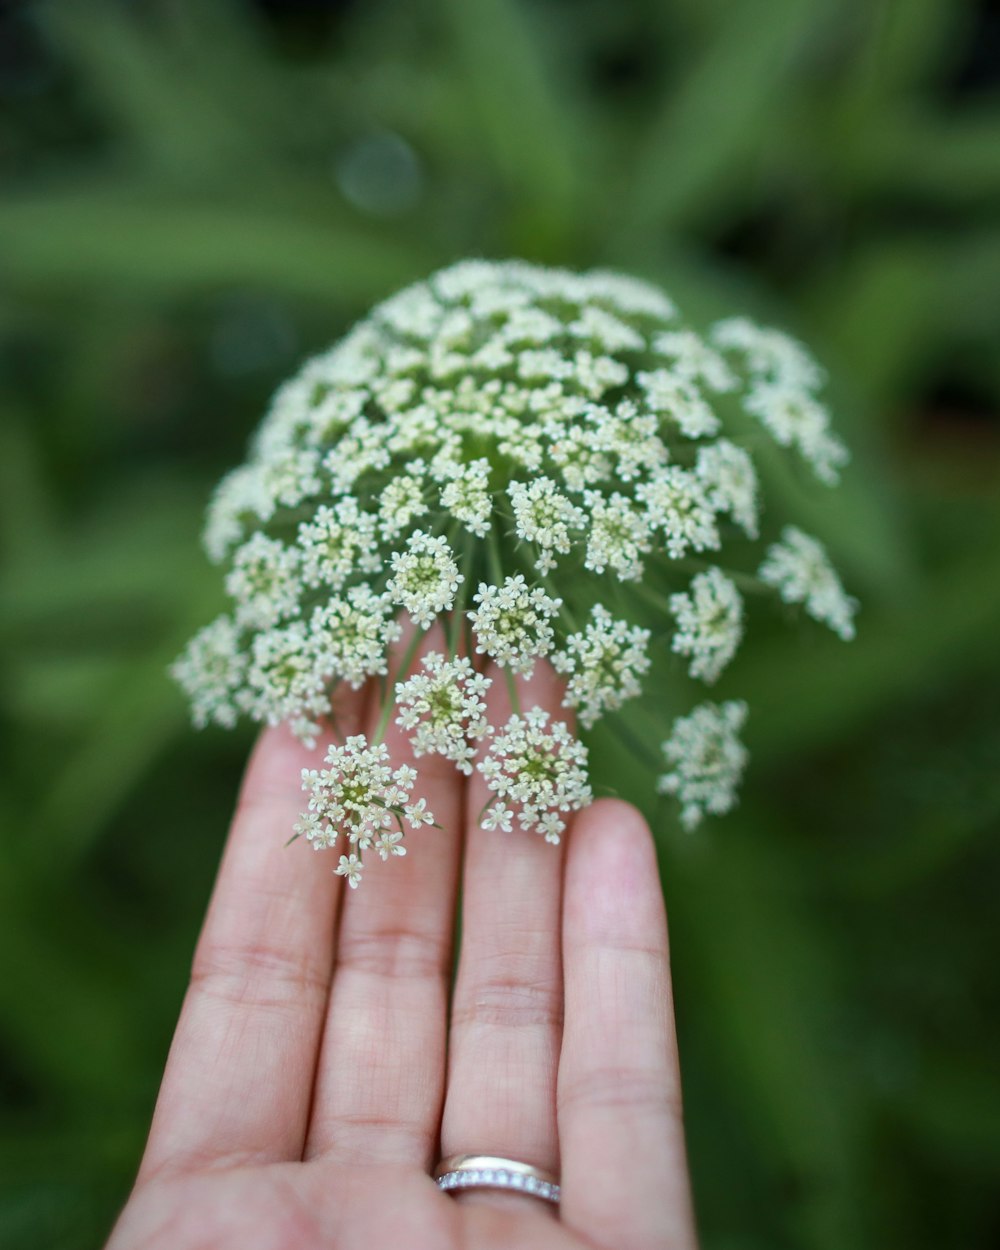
[(709, 623), (784, 379), (559, 441), (707, 760), (361, 796), (425, 579), (443, 710), (541, 768), (604, 663), (799, 568), (512, 624)]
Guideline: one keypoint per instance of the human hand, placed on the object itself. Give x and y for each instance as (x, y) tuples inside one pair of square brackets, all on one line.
[(321, 1067)]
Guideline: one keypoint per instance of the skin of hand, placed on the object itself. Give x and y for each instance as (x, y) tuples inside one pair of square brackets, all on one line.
[(324, 1059)]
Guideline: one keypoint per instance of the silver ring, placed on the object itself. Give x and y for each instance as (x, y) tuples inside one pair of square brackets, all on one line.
[(493, 1172)]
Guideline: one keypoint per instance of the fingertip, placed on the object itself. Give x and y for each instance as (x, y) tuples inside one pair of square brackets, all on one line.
[(612, 873), (616, 836), (274, 770)]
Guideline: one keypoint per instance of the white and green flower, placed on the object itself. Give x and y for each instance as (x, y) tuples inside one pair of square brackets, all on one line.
[(537, 464)]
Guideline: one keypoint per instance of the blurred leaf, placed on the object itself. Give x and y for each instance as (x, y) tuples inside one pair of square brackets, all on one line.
[(762, 974), (27, 515), (710, 128), (900, 298), (525, 120), (149, 239), (837, 686), (168, 112)]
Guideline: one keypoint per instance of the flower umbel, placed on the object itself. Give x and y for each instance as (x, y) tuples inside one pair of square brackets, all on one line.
[(799, 568), (540, 767), (707, 760), (709, 623), (604, 663), (537, 465), (443, 710), (359, 796)]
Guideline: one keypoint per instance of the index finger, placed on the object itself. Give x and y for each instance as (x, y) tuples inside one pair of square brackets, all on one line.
[(239, 1075)]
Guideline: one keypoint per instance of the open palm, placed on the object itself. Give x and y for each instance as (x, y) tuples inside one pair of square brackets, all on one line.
[(322, 1065)]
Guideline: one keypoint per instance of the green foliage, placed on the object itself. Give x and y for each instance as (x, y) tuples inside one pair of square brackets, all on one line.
[(192, 199)]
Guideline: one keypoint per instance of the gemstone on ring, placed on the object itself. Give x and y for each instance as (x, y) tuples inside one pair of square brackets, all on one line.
[(493, 1172)]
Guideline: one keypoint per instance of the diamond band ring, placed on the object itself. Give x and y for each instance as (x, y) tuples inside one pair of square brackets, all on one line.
[(493, 1172)]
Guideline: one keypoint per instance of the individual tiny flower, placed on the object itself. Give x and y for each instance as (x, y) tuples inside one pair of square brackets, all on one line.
[(539, 767), (443, 709), (513, 623), (706, 759), (425, 578), (350, 866), (499, 816), (417, 814), (709, 623), (604, 663), (800, 570), (389, 842)]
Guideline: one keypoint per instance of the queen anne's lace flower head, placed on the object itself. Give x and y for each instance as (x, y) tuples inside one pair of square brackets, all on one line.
[(537, 464)]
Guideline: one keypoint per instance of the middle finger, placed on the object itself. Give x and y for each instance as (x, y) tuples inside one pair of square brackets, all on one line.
[(381, 1073)]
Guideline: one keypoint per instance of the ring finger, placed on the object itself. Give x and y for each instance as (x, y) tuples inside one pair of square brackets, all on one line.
[(506, 1021)]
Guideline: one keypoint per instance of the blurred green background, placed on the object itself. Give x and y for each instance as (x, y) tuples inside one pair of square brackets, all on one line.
[(193, 196)]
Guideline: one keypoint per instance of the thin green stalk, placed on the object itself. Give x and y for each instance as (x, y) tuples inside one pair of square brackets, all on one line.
[(515, 698), (455, 631), (389, 703)]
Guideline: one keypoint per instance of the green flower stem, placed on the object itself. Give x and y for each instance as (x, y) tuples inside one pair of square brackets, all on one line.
[(564, 611), (515, 698), (493, 556), (389, 703), (456, 628), (636, 742)]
